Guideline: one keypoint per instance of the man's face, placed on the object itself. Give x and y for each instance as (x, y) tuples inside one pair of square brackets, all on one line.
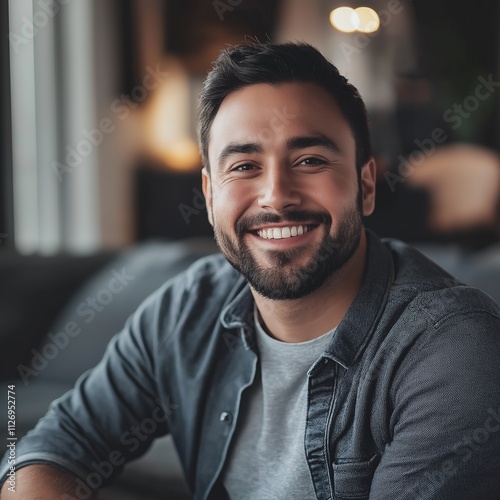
[(282, 194)]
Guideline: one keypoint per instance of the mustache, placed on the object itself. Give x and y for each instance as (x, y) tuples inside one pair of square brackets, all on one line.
[(244, 224)]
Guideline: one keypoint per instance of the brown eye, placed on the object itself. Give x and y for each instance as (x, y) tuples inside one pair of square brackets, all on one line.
[(246, 167), (312, 161)]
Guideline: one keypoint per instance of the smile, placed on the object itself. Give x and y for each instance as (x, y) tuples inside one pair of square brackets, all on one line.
[(278, 233)]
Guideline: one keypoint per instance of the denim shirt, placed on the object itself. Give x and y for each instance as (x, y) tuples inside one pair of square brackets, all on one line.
[(404, 402)]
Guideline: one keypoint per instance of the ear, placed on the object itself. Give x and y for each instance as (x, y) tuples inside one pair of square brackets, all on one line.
[(207, 192), (368, 181)]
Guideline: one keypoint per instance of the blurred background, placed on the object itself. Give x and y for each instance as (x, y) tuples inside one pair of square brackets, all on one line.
[(100, 170), (98, 108)]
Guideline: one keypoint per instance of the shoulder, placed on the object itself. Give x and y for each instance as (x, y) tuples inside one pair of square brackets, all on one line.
[(190, 301), (451, 329), (413, 268), (210, 274), (431, 317), (435, 293), (212, 268)]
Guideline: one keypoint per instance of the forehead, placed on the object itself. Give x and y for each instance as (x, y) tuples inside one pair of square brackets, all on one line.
[(268, 114)]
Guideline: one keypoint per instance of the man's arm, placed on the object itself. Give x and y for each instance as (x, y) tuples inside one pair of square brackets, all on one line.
[(445, 425), (41, 482)]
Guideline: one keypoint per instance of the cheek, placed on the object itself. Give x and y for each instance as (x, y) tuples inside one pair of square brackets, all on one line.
[(335, 196), (229, 204)]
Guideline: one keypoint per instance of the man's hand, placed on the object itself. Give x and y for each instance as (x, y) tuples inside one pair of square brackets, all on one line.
[(42, 482)]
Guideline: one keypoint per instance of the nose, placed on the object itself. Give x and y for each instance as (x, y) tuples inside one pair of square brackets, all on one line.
[(279, 190)]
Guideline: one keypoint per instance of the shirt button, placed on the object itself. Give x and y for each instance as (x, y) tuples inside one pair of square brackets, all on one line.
[(225, 417)]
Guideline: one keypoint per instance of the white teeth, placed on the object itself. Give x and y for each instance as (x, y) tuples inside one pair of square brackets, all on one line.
[(277, 233)]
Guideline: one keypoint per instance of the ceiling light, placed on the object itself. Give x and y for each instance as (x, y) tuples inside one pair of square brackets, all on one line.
[(343, 19), (362, 19), (367, 20)]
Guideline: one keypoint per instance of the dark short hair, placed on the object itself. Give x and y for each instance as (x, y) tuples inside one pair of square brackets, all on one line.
[(245, 65)]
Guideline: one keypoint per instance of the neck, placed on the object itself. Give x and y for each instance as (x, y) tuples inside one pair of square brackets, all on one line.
[(317, 313)]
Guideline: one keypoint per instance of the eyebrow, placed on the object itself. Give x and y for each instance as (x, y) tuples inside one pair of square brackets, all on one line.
[(299, 142), (234, 148), (309, 141)]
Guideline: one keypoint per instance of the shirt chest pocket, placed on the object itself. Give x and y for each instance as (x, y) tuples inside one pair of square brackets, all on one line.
[(352, 480)]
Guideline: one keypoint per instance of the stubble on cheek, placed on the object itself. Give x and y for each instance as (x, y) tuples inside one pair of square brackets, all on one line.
[(226, 244)]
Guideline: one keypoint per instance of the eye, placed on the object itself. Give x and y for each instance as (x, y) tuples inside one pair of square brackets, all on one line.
[(312, 161), (245, 167)]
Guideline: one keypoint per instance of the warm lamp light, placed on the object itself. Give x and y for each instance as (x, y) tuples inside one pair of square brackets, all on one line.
[(367, 20), (343, 19), (167, 122), (181, 155), (362, 19)]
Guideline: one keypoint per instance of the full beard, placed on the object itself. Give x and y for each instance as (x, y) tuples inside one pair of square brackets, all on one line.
[(284, 279)]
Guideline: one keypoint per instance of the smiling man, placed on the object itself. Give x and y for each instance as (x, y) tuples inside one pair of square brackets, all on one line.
[(279, 203), (311, 360)]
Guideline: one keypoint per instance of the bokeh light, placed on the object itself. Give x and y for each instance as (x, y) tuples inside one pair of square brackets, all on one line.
[(348, 20)]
